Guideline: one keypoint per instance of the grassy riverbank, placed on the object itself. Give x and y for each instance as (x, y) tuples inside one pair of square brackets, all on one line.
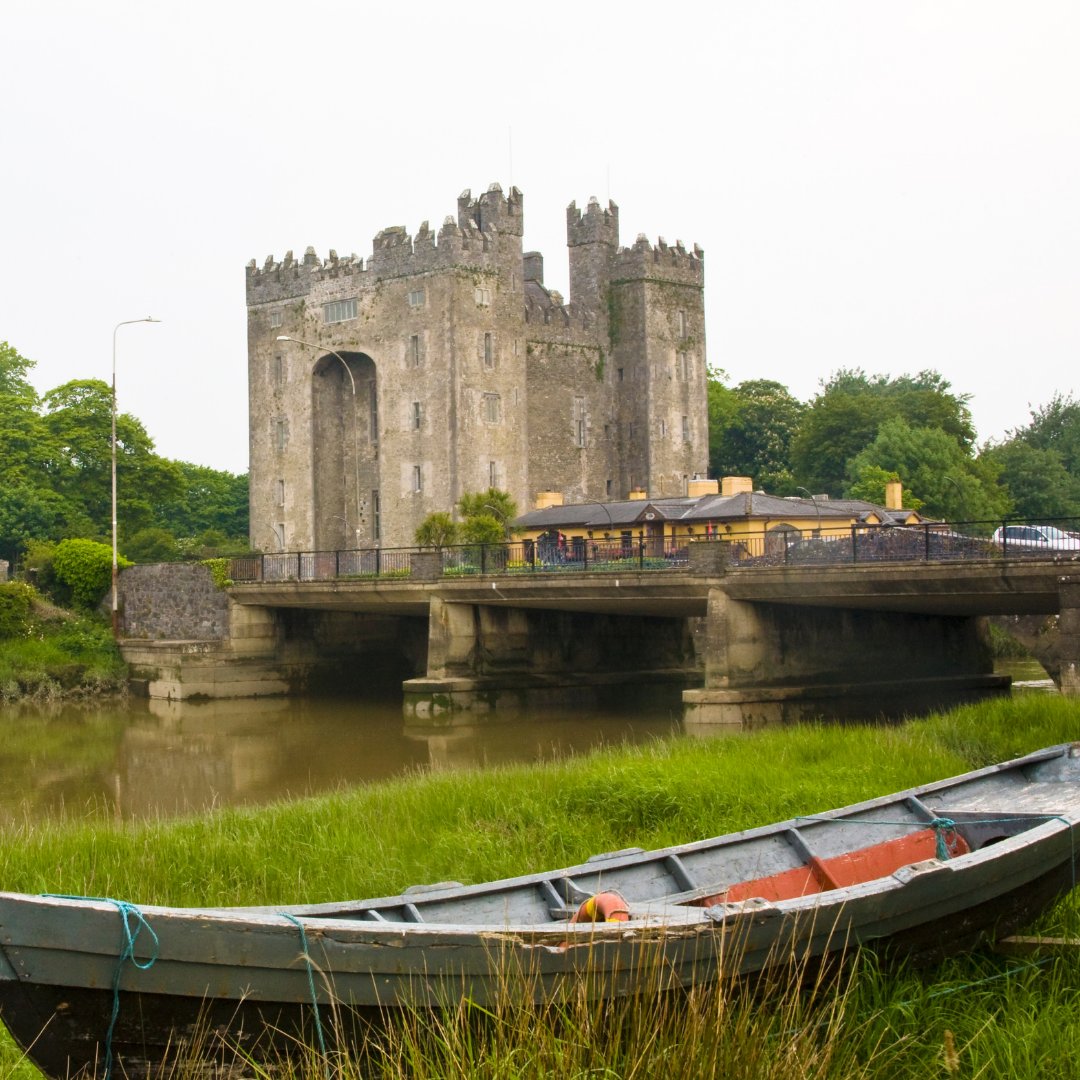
[(48, 653), (979, 1016)]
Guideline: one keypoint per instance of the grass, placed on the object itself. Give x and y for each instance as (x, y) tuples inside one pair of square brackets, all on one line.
[(977, 1016)]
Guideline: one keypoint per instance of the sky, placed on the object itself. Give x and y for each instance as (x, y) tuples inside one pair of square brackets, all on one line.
[(892, 186)]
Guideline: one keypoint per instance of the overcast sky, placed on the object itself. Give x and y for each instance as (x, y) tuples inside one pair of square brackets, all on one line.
[(886, 185)]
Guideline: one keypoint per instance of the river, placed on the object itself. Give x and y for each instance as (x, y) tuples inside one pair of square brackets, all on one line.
[(145, 759)]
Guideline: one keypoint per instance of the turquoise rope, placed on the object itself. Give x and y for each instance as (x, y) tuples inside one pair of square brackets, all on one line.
[(311, 985), (129, 914)]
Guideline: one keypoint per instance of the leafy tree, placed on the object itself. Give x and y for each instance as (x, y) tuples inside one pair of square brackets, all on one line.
[(152, 545), (437, 530), (846, 416), (870, 485), (493, 503), (1037, 480), (208, 499), (13, 373), (752, 433), (935, 468), (482, 529), (1056, 427)]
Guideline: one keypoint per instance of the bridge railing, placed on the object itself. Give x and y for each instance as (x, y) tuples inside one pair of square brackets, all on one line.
[(780, 546)]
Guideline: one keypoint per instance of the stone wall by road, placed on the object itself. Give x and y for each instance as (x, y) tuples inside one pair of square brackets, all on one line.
[(172, 602)]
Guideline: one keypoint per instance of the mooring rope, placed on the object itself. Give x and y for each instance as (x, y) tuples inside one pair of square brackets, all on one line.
[(311, 986), (130, 916)]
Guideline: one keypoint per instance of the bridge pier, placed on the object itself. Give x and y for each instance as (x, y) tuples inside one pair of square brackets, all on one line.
[(483, 657), (768, 662)]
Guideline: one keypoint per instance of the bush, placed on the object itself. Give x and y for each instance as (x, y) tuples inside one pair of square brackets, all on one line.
[(85, 567), (152, 546), (16, 603)]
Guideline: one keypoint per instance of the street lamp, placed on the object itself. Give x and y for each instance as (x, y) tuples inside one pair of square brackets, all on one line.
[(356, 433), (816, 507), (115, 570)]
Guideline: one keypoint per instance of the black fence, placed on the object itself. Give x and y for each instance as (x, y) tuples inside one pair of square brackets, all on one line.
[(782, 546)]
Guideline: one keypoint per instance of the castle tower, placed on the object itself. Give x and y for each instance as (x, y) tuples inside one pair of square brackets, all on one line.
[(593, 240)]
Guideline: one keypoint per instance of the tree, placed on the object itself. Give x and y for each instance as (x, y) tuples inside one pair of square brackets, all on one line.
[(755, 424), (437, 530), (13, 371), (935, 469), (1037, 481), (846, 416), (482, 529), (493, 503)]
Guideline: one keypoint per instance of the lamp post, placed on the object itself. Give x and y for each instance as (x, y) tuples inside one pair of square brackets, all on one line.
[(816, 508), (356, 433), (115, 566)]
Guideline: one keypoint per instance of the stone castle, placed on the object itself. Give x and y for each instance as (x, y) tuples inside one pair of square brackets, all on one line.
[(382, 391)]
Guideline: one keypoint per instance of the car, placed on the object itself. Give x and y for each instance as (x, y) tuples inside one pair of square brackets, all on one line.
[(1039, 537)]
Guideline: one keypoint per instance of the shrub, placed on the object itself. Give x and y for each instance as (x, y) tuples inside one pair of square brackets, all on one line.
[(16, 603), (85, 567)]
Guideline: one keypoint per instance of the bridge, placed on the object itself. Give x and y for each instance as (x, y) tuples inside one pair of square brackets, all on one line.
[(745, 639)]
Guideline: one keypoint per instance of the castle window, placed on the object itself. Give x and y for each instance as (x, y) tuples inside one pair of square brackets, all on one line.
[(339, 310), (417, 478), (686, 429), (414, 350), (492, 408), (279, 535), (416, 415), (279, 434), (663, 429), (279, 369), (680, 321), (620, 374), (579, 421), (489, 352), (276, 317), (483, 297), (416, 298), (607, 487), (493, 474), (373, 404), (682, 366), (376, 515), (280, 493)]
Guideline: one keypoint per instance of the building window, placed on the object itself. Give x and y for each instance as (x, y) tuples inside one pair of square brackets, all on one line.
[(279, 369), (483, 297), (663, 429), (607, 487), (416, 298), (276, 318), (373, 407), (339, 310), (680, 320), (686, 429), (416, 415), (682, 366), (492, 408), (279, 434), (279, 534), (489, 352), (280, 493), (620, 374), (417, 478), (376, 515), (414, 350), (579, 421), (493, 474)]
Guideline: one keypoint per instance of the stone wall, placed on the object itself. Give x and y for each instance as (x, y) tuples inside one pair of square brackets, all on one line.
[(172, 602)]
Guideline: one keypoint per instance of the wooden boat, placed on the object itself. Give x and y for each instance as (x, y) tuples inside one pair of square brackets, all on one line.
[(90, 982)]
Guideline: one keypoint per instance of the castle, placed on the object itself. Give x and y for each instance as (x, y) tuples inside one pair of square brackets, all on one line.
[(382, 391)]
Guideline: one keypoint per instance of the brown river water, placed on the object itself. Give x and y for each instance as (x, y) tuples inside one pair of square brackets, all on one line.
[(146, 759)]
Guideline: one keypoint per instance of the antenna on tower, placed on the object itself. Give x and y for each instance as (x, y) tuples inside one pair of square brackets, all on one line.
[(510, 150)]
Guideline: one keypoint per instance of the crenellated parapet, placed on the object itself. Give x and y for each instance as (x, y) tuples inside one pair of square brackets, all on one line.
[(594, 225), (470, 239), (662, 262)]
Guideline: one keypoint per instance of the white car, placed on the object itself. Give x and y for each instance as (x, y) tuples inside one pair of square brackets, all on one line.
[(1040, 537)]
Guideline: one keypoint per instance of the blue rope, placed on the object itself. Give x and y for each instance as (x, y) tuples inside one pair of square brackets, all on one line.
[(311, 984), (129, 915)]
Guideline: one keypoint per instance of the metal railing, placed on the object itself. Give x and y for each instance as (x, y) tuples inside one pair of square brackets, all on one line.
[(1057, 539)]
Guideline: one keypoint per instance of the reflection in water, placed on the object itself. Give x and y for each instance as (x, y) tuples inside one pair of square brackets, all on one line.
[(148, 759), (157, 758)]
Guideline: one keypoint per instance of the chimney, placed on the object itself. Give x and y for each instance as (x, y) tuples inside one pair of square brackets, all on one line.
[(696, 488), (894, 495), (638, 494), (736, 485), (544, 499)]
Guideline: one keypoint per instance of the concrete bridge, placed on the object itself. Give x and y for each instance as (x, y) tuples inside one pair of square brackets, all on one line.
[(744, 644)]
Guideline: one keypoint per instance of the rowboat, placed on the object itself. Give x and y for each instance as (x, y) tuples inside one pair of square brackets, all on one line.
[(92, 984)]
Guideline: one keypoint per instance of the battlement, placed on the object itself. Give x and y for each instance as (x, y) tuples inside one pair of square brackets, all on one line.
[(643, 260), (472, 238), (594, 226)]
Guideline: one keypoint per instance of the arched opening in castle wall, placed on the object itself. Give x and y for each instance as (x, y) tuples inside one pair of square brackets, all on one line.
[(345, 450)]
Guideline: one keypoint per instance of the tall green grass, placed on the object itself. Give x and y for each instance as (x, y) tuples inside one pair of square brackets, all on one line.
[(979, 1016)]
